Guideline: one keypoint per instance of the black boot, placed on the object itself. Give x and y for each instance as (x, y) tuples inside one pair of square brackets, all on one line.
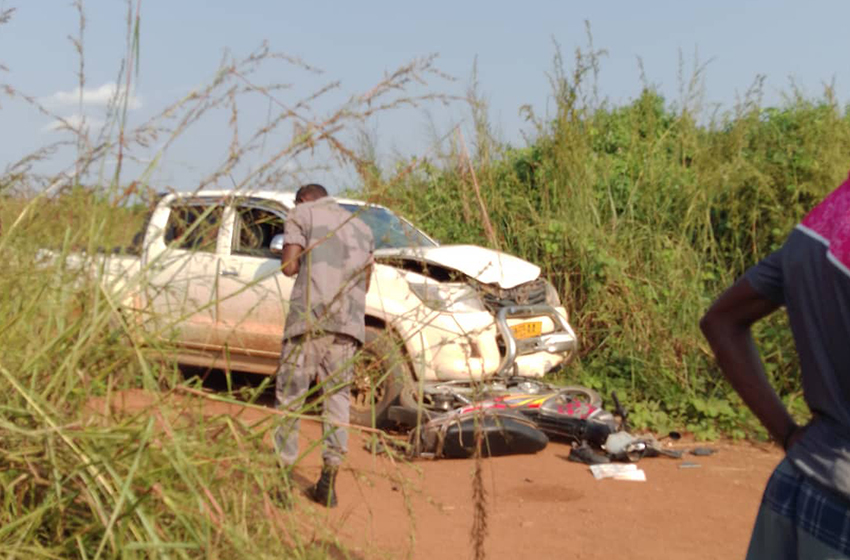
[(324, 491)]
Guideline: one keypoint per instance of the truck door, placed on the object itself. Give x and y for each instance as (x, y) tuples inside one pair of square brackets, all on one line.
[(253, 293), (183, 268)]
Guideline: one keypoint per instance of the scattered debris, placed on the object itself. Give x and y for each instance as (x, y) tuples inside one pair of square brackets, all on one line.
[(689, 465), (585, 454), (673, 436), (621, 446), (703, 451)]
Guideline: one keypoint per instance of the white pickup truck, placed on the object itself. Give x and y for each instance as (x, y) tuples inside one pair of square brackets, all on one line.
[(206, 277)]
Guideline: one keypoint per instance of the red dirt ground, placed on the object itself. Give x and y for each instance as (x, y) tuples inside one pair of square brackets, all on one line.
[(537, 505)]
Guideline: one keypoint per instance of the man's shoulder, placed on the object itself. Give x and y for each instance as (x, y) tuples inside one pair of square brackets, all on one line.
[(300, 211), (325, 208), (312, 205)]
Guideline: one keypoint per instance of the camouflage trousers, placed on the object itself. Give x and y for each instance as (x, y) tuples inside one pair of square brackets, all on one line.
[(327, 359)]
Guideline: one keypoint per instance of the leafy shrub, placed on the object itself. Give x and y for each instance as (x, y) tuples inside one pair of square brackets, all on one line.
[(641, 214)]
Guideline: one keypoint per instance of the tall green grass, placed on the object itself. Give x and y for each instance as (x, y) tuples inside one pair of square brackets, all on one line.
[(79, 478), (641, 214), (80, 475)]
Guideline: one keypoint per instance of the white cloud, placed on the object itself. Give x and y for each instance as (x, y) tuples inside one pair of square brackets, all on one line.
[(99, 96), (76, 123)]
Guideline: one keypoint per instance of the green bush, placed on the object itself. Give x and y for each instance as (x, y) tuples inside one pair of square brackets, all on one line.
[(641, 214)]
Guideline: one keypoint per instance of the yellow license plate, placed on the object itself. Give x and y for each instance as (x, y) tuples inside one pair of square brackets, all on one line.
[(527, 330)]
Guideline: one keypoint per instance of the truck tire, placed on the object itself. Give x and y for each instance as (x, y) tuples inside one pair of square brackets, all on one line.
[(380, 371)]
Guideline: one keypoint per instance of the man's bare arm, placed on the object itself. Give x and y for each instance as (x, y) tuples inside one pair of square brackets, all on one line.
[(726, 326), (290, 259)]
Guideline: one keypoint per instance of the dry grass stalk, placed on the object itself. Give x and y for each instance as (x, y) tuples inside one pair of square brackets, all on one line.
[(485, 216), (479, 529)]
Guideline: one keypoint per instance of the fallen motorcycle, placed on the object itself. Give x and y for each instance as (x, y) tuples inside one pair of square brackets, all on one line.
[(517, 423), (508, 414)]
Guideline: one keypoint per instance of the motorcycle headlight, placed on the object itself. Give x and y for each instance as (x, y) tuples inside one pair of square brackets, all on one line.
[(448, 297), (552, 297)]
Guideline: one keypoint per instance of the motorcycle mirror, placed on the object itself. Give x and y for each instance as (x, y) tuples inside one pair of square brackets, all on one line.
[(276, 245)]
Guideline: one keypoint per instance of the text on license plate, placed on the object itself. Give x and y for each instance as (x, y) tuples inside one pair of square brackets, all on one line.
[(527, 330)]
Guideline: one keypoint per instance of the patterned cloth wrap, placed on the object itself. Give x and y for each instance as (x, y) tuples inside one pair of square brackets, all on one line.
[(799, 519)]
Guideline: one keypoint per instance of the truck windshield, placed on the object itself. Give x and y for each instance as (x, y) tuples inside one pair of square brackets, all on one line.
[(390, 231)]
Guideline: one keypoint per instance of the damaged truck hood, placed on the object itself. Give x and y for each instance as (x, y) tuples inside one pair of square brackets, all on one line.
[(484, 265)]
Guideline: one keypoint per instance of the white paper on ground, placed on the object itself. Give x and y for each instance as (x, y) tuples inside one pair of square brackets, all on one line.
[(609, 470), (618, 471), (638, 476)]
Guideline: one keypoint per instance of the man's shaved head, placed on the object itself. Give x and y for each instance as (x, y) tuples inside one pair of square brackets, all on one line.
[(309, 193)]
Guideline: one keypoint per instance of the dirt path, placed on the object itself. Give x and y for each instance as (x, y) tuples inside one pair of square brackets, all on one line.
[(538, 505), (542, 505)]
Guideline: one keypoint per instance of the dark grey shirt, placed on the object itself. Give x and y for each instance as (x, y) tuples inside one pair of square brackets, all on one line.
[(810, 275), (329, 295)]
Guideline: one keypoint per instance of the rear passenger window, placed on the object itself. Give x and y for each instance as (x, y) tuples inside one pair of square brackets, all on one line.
[(255, 228), (193, 227)]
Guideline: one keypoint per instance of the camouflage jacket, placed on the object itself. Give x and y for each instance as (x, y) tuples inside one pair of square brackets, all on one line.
[(329, 295)]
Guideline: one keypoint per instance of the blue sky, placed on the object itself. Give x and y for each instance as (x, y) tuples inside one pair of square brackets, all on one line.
[(183, 42)]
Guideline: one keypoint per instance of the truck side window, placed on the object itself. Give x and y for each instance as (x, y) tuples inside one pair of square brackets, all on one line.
[(255, 228), (193, 227)]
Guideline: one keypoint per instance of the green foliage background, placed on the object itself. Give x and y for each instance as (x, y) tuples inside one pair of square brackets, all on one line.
[(641, 214)]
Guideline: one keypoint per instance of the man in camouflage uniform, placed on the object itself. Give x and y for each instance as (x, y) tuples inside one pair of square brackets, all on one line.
[(330, 251)]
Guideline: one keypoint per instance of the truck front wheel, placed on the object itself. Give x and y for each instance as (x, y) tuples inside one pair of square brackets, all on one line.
[(380, 371)]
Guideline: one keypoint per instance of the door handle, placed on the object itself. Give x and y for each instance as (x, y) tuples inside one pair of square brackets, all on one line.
[(229, 273)]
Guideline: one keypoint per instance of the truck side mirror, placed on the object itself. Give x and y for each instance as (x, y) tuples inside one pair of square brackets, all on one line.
[(276, 246)]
